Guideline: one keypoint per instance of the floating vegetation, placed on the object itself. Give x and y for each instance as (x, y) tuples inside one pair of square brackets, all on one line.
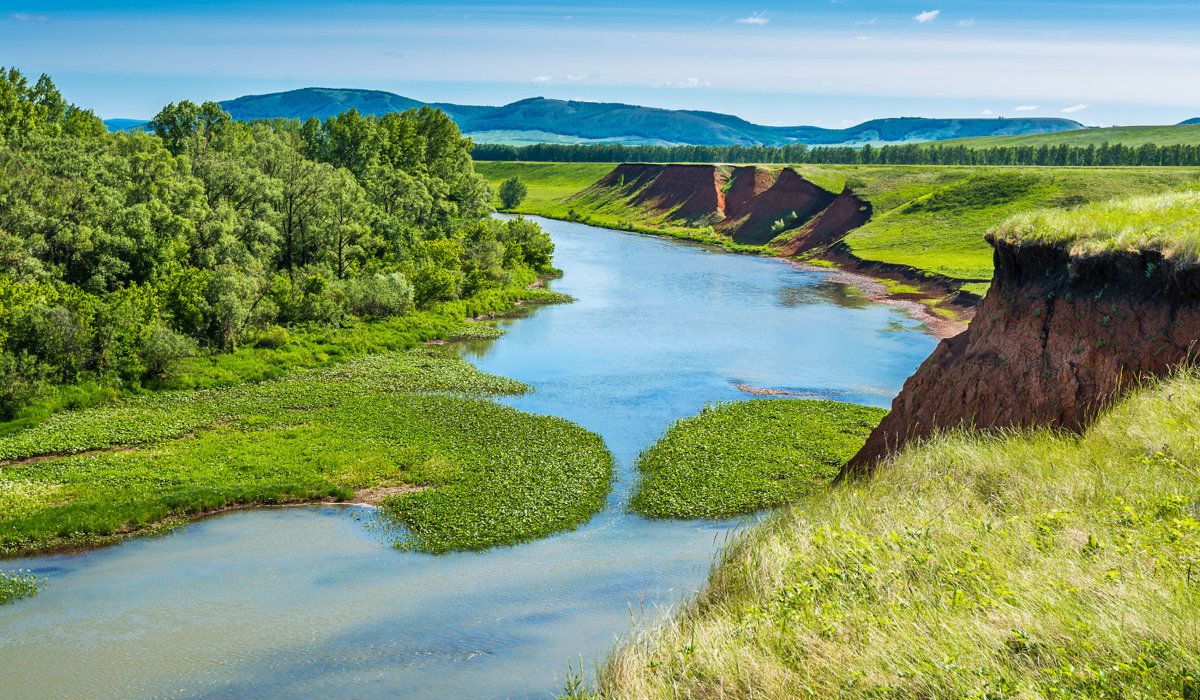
[(738, 458), (15, 585), (413, 418)]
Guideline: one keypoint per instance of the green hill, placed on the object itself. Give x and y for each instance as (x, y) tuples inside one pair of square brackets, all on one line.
[(1187, 133), (542, 120)]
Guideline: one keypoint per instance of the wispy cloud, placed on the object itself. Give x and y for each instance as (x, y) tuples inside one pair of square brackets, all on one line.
[(966, 22), (581, 76), (863, 38), (927, 16), (754, 18), (867, 22), (542, 80), (24, 17), (1076, 108), (1025, 108), (988, 112), (684, 84)]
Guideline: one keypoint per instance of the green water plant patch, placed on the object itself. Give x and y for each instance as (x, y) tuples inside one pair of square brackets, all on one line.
[(741, 457)]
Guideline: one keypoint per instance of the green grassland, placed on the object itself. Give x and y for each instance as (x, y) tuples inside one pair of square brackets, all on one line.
[(1184, 134), (931, 218), (1026, 565), (738, 458), (1166, 223), (418, 418)]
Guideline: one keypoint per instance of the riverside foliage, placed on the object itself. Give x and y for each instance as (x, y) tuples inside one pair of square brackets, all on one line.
[(388, 423), (741, 457), (125, 254)]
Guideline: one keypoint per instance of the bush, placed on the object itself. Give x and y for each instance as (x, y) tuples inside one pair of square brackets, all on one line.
[(274, 337), (21, 379), (379, 296), (512, 192), (163, 350)]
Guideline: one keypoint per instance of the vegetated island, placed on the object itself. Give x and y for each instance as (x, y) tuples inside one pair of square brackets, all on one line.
[(1040, 557), (215, 314)]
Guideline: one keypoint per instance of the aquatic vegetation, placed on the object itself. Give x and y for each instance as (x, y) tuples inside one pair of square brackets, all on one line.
[(741, 457), (1033, 564), (15, 585), (404, 419)]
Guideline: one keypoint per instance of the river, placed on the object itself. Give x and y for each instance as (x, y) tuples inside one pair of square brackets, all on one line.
[(307, 602)]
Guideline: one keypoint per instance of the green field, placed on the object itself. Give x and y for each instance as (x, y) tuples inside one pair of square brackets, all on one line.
[(738, 458), (1030, 565), (395, 421), (931, 218), (1184, 134)]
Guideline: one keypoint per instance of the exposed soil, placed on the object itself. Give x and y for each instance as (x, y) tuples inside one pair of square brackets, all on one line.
[(743, 203), (1056, 340)]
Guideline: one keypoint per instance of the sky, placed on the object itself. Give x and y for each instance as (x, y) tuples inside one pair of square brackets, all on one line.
[(828, 63)]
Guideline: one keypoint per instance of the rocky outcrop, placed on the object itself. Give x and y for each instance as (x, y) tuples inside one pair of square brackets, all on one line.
[(1056, 340)]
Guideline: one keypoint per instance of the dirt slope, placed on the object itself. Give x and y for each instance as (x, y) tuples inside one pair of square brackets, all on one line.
[(1055, 341)]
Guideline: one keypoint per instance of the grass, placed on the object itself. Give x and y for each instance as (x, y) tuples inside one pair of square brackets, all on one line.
[(741, 457), (548, 183), (1186, 135), (15, 585), (300, 348), (417, 418), (1033, 564), (1164, 222)]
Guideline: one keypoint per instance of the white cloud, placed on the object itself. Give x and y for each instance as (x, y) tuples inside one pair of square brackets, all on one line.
[(863, 38), (1025, 108), (754, 18), (966, 22), (684, 84), (868, 22), (1076, 108), (542, 80), (581, 76), (988, 112), (23, 17), (927, 16)]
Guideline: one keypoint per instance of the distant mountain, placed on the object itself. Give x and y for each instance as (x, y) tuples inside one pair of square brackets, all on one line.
[(1190, 121), (538, 120), (316, 102), (123, 124)]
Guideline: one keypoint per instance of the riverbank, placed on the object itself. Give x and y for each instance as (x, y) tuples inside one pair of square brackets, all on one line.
[(454, 469)]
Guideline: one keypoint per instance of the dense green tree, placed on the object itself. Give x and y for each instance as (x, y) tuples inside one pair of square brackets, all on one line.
[(512, 192)]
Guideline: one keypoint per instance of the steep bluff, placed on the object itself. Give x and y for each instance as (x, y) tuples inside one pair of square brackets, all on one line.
[(1055, 341), (743, 203)]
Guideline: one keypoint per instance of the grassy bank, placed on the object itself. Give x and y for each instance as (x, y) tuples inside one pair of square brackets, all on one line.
[(1027, 565), (738, 458), (930, 218), (278, 351), (382, 424)]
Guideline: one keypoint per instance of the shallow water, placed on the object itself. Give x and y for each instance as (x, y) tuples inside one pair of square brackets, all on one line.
[(306, 602)]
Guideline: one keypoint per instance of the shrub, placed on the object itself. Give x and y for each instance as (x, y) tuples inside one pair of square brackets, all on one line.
[(163, 350), (379, 296)]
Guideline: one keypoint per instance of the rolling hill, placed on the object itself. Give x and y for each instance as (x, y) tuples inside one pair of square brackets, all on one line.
[(1186, 134), (542, 120)]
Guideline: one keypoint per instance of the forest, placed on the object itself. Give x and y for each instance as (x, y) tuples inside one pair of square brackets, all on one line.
[(123, 254), (1106, 154)]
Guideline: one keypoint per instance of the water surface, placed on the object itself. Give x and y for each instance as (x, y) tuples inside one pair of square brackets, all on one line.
[(307, 602)]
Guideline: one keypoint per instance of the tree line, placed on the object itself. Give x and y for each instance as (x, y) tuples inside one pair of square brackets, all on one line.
[(123, 253), (1106, 154)]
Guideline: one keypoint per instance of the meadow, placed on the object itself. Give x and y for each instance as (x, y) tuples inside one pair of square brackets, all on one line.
[(929, 218), (1031, 564), (412, 430), (742, 457), (1181, 134)]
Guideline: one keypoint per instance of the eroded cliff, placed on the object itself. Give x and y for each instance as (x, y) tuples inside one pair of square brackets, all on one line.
[(1056, 340)]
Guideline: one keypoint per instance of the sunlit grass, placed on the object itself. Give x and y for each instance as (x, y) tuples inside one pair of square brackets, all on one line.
[(1028, 565), (1168, 222)]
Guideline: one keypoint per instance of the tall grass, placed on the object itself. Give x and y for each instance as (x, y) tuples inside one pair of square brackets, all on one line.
[(1163, 222), (1028, 565)]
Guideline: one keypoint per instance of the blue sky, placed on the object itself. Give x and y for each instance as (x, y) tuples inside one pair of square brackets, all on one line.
[(823, 62)]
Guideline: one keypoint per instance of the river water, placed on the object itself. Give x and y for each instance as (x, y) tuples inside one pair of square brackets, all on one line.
[(307, 602)]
